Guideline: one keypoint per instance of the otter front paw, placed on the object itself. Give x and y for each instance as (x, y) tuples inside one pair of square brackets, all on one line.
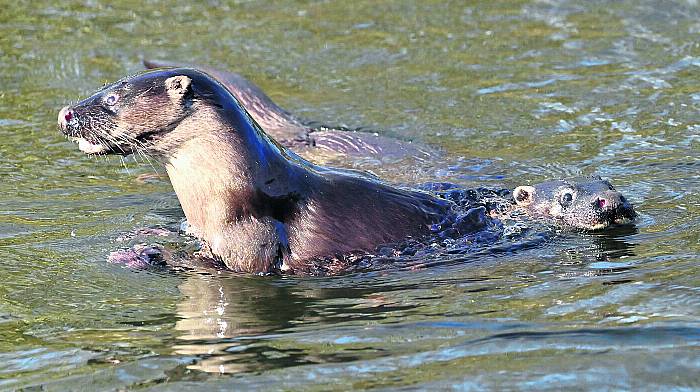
[(140, 256)]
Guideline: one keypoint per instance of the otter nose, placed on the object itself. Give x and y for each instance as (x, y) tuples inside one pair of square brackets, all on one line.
[(602, 203), (64, 116), (610, 200)]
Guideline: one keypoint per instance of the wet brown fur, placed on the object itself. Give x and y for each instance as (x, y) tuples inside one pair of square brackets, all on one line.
[(309, 141), (258, 207)]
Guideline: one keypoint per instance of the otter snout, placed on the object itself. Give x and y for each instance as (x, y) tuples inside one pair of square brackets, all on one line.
[(611, 200), (613, 204), (65, 117), (88, 143)]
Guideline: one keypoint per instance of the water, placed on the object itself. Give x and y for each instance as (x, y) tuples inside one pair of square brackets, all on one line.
[(513, 92)]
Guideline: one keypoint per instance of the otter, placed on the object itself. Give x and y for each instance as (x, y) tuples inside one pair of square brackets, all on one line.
[(257, 206), (579, 203), (309, 140), (588, 203)]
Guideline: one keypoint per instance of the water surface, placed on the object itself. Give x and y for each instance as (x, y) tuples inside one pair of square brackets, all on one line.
[(512, 91)]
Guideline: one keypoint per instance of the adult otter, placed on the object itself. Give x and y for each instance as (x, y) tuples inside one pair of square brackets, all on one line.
[(257, 206), (307, 140)]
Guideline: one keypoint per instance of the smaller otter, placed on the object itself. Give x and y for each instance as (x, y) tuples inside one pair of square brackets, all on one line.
[(586, 203), (582, 203), (259, 207)]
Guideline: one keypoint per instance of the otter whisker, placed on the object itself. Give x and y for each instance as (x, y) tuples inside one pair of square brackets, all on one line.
[(143, 147), (138, 148), (149, 162), (121, 158)]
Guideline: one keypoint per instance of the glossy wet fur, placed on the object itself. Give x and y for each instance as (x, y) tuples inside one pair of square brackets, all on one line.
[(304, 138), (258, 207), (584, 212), (589, 203), (114, 118)]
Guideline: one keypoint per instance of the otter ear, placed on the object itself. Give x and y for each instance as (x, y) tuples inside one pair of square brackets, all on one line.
[(178, 86), (524, 195)]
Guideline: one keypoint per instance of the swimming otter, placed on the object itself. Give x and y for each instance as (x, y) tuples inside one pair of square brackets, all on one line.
[(584, 203), (307, 140), (257, 206), (588, 203)]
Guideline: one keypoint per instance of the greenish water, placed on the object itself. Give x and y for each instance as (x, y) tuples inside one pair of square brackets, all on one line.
[(513, 91)]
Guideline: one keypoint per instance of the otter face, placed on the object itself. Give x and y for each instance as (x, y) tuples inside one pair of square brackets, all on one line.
[(128, 115), (582, 203)]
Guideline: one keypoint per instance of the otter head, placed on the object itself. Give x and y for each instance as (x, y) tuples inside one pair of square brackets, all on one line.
[(582, 203), (131, 114)]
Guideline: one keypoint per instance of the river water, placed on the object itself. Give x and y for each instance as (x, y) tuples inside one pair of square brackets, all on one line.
[(512, 92)]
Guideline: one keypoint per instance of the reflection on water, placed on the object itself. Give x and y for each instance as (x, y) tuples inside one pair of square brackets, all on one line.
[(234, 323), (219, 318), (613, 244), (513, 92)]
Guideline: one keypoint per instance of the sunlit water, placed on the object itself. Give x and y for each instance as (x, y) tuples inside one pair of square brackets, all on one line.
[(512, 92)]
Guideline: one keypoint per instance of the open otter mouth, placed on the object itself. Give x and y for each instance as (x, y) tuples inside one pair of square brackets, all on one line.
[(620, 216), (89, 147), (96, 146), (93, 146), (88, 142)]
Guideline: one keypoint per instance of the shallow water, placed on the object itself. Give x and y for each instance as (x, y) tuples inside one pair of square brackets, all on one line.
[(513, 92)]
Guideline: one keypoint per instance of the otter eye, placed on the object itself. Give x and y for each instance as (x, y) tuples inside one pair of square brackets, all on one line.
[(111, 99), (566, 199)]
